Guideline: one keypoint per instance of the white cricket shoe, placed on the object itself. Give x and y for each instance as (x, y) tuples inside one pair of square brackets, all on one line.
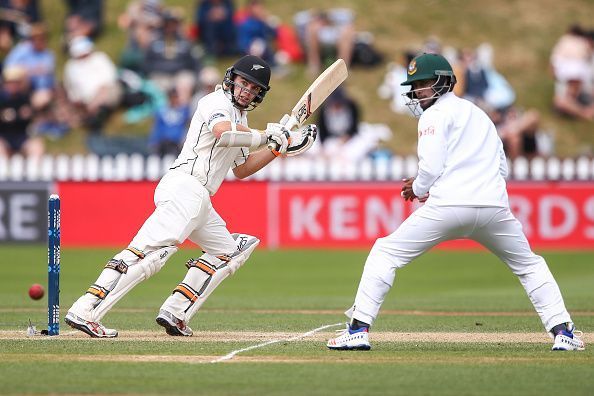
[(351, 340), (173, 326), (569, 340), (94, 329)]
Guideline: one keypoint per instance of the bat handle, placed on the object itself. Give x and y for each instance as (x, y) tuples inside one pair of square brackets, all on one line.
[(289, 123)]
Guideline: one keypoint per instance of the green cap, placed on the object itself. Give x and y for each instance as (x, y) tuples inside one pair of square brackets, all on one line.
[(427, 67)]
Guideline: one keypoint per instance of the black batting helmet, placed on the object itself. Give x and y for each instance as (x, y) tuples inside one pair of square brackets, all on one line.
[(253, 69)]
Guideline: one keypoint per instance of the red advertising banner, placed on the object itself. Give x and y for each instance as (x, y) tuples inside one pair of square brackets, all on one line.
[(110, 213), (555, 215), (340, 215), (353, 215), (318, 215), (103, 213)]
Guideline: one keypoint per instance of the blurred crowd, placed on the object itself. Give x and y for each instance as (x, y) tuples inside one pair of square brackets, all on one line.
[(170, 60), (521, 129), (168, 63)]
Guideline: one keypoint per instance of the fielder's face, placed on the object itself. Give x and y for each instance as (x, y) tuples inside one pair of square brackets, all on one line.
[(245, 91), (423, 92)]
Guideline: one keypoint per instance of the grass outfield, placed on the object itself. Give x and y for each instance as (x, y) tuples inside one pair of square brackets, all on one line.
[(455, 323)]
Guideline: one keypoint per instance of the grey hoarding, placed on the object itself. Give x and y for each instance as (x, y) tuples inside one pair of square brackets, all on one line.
[(23, 212)]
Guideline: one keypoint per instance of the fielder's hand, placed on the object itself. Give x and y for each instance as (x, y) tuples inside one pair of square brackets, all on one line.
[(423, 198), (407, 192), (279, 136)]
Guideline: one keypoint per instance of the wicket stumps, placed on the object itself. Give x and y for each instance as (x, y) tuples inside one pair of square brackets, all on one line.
[(53, 267)]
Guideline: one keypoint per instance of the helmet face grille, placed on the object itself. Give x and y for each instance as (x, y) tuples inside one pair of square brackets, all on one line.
[(442, 85)]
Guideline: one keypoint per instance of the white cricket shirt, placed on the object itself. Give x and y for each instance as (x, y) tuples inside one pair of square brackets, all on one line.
[(461, 158), (199, 156)]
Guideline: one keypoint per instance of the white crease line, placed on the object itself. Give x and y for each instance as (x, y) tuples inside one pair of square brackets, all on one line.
[(231, 355)]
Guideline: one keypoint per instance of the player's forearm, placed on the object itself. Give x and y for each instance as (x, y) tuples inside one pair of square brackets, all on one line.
[(254, 163), (431, 164), (423, 182)]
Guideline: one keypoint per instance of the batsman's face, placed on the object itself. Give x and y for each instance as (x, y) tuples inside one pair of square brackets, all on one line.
[(245, 91)]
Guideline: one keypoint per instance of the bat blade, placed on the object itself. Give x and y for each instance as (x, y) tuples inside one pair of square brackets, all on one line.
[(317, 93)]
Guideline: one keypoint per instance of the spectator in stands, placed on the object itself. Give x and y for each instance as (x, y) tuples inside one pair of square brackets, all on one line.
[(328, 35), (84, 18), (338, 123), (571, 98), (256, 32), (339, 117), (140, 97), (498, 94), (391, 88), (487, 88), (214, 19), (171, 61), (342, 137), (571, 61), (432, 45), (91, 83), (517, 130), (141, 22), (208, 79), (39, 62), (170, 126), (475, 77), (573, 48), (16, 114), (15, 18)]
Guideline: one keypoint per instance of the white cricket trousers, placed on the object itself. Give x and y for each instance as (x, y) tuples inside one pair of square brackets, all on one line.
[(493, 227), (184, 211)]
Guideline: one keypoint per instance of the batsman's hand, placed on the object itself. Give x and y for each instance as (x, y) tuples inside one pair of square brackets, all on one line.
[(306, 137), (407, 192), (278, 137)]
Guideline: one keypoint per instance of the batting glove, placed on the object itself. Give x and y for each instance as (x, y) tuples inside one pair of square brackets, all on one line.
[(278, 138), (307, 137)]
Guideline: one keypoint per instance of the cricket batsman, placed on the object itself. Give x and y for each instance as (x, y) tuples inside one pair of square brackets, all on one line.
[(184, 209), (461, 179)]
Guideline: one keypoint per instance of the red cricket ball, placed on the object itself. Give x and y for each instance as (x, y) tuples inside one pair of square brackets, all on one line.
[(36, 291)]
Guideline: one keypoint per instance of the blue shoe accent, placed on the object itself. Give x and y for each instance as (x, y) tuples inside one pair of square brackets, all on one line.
[(359, 330), (566, 333)]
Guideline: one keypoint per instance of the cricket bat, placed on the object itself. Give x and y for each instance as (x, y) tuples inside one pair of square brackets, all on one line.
[(315, 95), (311, 100)]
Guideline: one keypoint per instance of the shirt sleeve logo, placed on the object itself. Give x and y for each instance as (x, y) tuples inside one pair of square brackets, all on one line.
[(215, 116)]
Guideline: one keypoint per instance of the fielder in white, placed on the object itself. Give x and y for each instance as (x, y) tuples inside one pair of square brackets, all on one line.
[(461, 174), (184, 210)]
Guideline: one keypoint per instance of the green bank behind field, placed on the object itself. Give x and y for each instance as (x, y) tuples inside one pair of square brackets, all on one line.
[(279, 294)]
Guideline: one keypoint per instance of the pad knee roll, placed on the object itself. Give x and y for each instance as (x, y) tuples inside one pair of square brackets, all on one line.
[(119, 277), (205, 274)]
